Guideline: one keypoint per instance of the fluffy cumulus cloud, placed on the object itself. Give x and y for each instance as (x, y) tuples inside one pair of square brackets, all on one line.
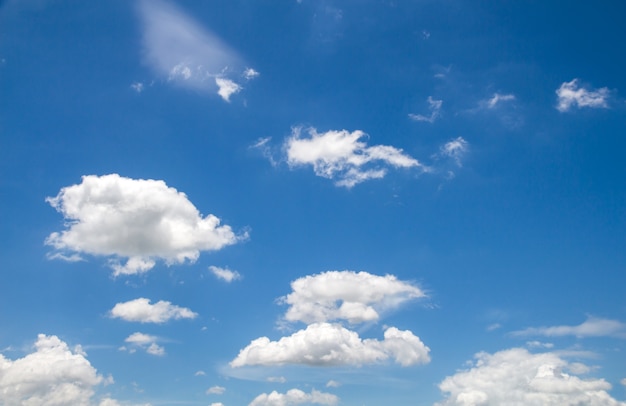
[(136, 219), (325, 344), (435, 108), (52, 375), (145, 342), (343, 156), (346, 295), (142, 311), (294, 397), (225, 274), (518, 377), (571, 94), (184, 52), (592, 327)]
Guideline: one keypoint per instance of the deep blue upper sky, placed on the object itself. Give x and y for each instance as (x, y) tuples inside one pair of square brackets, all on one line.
[(401, 187)]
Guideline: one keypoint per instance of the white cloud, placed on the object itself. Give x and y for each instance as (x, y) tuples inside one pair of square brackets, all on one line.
[(517, 377), (340, 155), (215, 390), (200, 373), (277, 379), (333, 384), (538, 344), (179, 48), (592, 327), (227, 88), (225, 274), (294, 397), (146, 342), (250, 73), (141, 220), (140, 310), (51, 375), (217, 404), (137, 86), (623, 381), (324, 344), (499, 98), (435, 109), (346, 295), (570, 95), (455, 150)]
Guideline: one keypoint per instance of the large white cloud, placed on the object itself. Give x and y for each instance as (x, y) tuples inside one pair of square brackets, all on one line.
[(344, 156), (142, 311), (141, 220), (294, 397), (570, 95), (325, 344), (184, 52), (52, 375), (517, 377), (592, 327), (346, 295)]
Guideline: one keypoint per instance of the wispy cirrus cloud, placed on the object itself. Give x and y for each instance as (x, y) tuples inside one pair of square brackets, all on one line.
[(435, 109), (571, 94), (178, 48), (497, 99), (592, 327)]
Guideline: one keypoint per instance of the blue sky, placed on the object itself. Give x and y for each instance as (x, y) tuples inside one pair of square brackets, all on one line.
[(312, 202)]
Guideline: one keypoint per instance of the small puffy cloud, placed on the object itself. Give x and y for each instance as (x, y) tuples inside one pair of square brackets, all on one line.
[(592, 327), (498, 98), (200, 373), (250, 73), (137, 86), (215, 390), (333, 384), (51, 375), (217, 404), (518, 377), (455, 150), (570, 95), (276, 379), (226, 88), (325, 344), (225, 274), (343, 156), (435, 109), (142, 311), (294, 397), (137, 219), (177, 47), (538, 344), (146, 342), (346, 295)]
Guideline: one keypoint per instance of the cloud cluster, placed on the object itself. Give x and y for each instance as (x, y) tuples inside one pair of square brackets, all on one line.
[(145, 342), (142, 311), (51, 375), (518, 377), (141, 220), (178, 48), (346, 295), (294, 397), (435, 108), (592, 327), (571, 95), (343, 156), (325, 344)]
